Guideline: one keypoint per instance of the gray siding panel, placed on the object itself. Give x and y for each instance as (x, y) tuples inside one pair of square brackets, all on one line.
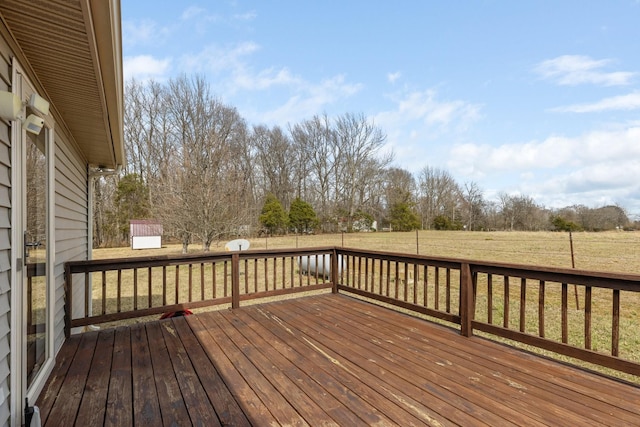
[(71, 212), (5, 233)]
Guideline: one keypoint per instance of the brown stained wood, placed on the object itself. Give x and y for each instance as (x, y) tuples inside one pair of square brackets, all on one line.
[(541, 299), (104, 292), (164, 285), (92, 408), (436, 289), (506, 300), (615, 323), (191, 394), (135, 289), (425, 285), (490, 298), (202, 282), (405, 279), (388, 276), (399, 397), (448, 290), (255, 410), (210, 383), (119, 406), (119, 292), (341, 403), (523, 303), (190, 278), (177, 283), (234, 361), (286, 378), (87, 293), (172, 405), (149, 288), (63, 413), (587, 317), (343, 361), (146, 407), (536, 381), (51, 390), (565, 313)]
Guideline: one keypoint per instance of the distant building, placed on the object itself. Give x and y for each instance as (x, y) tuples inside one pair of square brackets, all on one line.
[(145, 234)]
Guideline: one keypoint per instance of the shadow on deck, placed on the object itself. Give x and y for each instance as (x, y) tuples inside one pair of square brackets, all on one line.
[(321, 360)]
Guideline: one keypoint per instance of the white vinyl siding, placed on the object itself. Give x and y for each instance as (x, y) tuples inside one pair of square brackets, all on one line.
[(71, 233), (5, 241)]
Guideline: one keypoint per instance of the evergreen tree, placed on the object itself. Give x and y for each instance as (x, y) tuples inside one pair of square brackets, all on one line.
[(302, 217), (402, 218), (273, 217)]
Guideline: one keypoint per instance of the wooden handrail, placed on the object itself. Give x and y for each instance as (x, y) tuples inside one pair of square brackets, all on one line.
[(494, 298)]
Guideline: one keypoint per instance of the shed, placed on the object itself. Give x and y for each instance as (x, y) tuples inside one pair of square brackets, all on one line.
[(145, 234)]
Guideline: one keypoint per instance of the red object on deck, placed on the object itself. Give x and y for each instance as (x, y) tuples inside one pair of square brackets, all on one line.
[(178, 313)]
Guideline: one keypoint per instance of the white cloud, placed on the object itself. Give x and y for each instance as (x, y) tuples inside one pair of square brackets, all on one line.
[(309, 99), (622, 102), (392, 77), (573, 70), (143, 67), (141, 33)]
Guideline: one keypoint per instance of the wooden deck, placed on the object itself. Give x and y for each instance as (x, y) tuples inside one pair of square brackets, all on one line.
[(322, 360)]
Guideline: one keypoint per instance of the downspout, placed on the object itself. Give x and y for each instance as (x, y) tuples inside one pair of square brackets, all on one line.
[(97, 172)]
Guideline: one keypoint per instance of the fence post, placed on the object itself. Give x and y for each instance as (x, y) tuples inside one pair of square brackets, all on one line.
[(466, 300), (334, 271), (235, 280)]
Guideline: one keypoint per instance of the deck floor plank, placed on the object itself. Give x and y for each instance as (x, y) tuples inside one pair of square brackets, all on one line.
[(300, 356), (119, 406), (224, 404), (96, 390), (559, 388), (320, 360), (435, 405), (199, 409), (146, 405), (271, 360), (493, 392), (65, 409), (172, 404)]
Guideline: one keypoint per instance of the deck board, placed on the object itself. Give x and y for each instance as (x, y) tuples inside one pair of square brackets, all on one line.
[(321, 360)]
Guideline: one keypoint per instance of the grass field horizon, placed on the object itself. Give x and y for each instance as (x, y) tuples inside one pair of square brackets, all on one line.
[(614, 251)]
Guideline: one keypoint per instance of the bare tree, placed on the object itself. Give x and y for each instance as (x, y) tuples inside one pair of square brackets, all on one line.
[(473, 205), (439, 195)]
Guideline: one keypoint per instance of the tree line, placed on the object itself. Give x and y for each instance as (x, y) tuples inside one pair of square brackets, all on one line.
[(195, 164)]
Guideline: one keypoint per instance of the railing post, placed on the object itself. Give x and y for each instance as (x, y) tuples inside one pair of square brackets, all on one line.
[(235, 280), (334, 271), (466, 300)]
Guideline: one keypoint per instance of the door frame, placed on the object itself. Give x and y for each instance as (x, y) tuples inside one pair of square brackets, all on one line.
[(22, 86)]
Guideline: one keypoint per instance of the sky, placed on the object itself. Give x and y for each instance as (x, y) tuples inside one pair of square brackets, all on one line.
[(528, 98)]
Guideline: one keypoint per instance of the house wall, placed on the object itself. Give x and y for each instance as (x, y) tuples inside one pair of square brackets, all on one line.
[(5, 240), (71, 224), (71, 216)]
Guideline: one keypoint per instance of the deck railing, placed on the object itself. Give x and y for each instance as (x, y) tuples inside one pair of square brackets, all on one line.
[(118, 289), (589, 316), (580, 314)]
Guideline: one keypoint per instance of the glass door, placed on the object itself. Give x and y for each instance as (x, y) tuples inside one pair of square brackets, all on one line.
[(35, 253)]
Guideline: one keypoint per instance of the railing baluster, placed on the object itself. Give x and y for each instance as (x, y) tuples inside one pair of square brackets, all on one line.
[(202, 284), (87, 295), (275, 273), (397, 273), (226, 282), (119, 291), (425, 285), (490, 299), (587, 317), (565, 313), (615, 324), (135, 289), (416, 277), (177, 293), (150, 287), (214, 281), (104, 292), (436, 289), (406, 282), (164, 285), (448, 290), (523, 303), (505, 322), (541, 298), (190, 282)]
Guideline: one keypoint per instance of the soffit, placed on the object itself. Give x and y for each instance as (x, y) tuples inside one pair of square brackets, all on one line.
[(74, 48)]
